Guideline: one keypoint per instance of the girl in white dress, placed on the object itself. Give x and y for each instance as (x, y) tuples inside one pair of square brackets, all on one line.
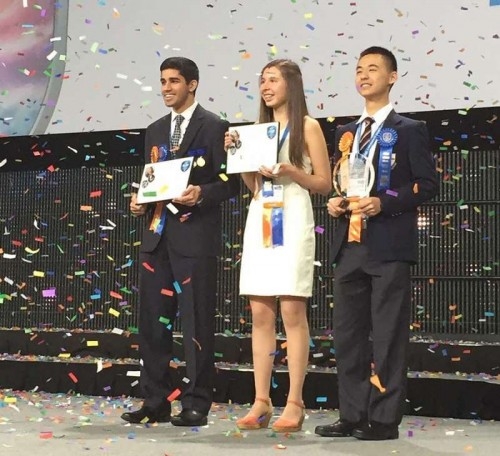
[(282, 269)]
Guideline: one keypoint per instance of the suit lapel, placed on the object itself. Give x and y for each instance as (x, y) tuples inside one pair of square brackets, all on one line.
[(194, 125)]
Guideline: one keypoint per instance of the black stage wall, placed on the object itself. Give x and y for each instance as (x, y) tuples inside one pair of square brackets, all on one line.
[(69, 247)]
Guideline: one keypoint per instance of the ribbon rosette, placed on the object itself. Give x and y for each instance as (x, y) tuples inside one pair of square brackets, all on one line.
[(387, 137), (346, 142)]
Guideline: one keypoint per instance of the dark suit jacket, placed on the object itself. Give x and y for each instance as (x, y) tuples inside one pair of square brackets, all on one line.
[(392, 235), (200, 234)]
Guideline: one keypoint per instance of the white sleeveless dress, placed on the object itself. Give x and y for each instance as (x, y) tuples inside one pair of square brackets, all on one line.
[(288, 269)]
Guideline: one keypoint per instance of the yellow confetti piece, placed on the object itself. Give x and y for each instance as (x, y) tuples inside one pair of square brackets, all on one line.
[(31, 251), (10, 400), (39, 273), (223, 177), (64, 355), (92, 343), (114, 312)]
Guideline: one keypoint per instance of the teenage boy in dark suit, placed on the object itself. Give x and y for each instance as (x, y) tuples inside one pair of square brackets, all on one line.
[(179, 250), (373, 247)]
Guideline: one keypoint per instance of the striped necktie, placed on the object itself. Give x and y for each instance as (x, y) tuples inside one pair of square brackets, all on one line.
[(365, 136)]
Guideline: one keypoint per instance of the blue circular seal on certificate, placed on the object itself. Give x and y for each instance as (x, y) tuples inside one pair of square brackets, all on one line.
[(387, 137)]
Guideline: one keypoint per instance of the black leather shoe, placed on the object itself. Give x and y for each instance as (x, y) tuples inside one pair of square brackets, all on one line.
[(341, 428), (376, 431), (189, 417), (148, 415)]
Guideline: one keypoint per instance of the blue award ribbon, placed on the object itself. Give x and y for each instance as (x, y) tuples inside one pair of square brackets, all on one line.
[(386, 138), (277, 226)]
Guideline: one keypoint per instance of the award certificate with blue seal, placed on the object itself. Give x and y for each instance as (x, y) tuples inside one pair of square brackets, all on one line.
[(164, 180), (253, 146)]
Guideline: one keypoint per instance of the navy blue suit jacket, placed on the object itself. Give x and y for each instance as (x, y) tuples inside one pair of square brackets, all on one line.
[(392, 234), (200, 233)]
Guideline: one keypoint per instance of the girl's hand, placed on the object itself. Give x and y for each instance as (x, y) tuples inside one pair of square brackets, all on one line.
[(228, 141), (278, 170)]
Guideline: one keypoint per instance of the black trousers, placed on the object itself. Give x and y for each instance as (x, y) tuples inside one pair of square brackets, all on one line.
[(371, 300), (194, 299)]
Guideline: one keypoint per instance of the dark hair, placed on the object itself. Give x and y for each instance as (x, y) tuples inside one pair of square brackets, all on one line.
[(186, 67), (388, 56), (296, 108)]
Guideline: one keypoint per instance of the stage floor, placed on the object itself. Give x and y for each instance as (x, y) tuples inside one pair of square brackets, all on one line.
[(35, 424)]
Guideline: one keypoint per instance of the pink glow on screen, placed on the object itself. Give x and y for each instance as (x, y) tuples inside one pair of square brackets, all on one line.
[(25, 35)]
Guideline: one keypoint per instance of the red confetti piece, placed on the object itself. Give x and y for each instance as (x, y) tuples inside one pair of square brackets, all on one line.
[(167, 292), (73, 377), (114, 294), (173, 395), (148, 266)]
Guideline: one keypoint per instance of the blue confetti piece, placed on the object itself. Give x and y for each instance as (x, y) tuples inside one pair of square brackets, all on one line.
[(177, 287)]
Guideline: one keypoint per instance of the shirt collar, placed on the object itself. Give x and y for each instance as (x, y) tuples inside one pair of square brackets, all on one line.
[(379, 116), (187, 113)]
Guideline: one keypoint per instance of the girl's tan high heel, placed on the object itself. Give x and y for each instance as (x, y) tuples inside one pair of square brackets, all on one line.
[(286, 425), (252, 422)]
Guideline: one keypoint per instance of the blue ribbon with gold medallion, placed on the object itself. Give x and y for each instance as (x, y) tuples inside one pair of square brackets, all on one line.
[(386, 139)]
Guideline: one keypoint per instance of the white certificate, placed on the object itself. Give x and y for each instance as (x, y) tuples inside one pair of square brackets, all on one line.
[(253, 146), (164, 180)]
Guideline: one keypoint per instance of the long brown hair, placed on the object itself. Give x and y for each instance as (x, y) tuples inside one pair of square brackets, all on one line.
[(296, 108)]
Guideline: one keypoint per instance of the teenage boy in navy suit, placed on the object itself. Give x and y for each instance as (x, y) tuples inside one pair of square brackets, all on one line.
[(178, 252), (373, 248)]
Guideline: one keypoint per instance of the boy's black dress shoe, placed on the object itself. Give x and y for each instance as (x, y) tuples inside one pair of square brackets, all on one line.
[(341, 428), (189, 417), (148, 415), (376, 431)]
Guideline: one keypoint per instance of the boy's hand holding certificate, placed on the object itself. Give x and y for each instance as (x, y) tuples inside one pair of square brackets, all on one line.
[(253, 146), (164, 180)]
